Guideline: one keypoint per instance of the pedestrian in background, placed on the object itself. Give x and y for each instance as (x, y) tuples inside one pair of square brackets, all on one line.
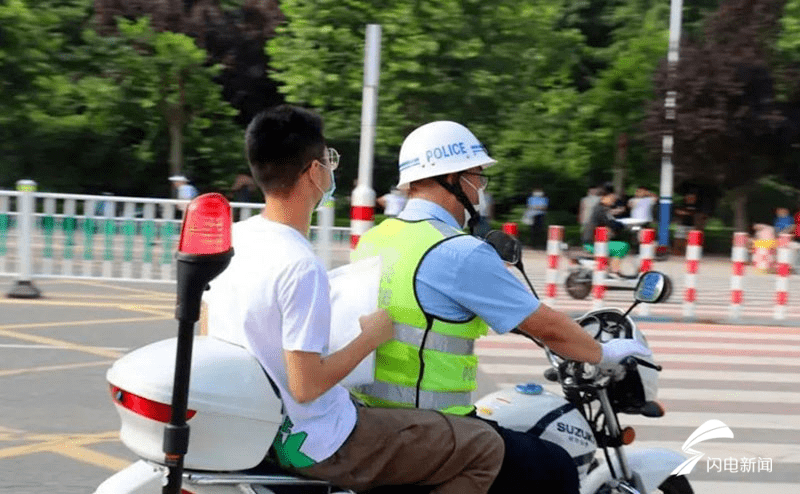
[(536, 208), (586, 206), (393, 202), (244, 189)]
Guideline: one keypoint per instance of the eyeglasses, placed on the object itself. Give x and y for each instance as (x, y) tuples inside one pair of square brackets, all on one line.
[(483, 180), (332, 156), (330, 160)]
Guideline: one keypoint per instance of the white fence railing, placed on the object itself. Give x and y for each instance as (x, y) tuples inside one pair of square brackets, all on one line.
[(48, 235)]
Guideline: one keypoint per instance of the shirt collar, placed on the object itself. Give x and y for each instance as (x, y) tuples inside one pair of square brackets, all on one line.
[(421, 209)]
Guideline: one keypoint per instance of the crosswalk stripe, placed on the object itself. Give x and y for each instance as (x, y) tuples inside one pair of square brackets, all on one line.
[(735, 486), (760, 402), (663, 334), (749, 396), (766, 377), (728, 448), (716, 345), (732, 420), (537, 353), (705, 395)]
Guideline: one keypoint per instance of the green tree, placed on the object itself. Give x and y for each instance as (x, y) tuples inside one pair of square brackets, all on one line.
[(728, 126), (476, 62)]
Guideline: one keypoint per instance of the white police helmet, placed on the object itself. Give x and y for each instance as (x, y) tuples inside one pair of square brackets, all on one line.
[(440, 148)]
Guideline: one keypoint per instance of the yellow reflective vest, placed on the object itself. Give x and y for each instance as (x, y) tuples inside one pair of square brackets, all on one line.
[(430, 362)]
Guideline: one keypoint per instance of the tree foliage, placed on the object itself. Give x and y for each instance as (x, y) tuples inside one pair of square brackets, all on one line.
[(729, 129), (92, 87)]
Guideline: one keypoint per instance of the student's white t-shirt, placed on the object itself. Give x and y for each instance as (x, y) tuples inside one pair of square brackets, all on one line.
[(275, 296)]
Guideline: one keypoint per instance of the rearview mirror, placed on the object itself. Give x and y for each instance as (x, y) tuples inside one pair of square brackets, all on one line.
[(507, 247), (653, 287)]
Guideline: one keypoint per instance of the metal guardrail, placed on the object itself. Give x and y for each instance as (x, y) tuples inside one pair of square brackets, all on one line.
[(50, 235)]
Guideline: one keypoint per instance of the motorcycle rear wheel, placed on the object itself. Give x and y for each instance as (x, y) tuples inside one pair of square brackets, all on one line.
[(576, 285), (676, 485)]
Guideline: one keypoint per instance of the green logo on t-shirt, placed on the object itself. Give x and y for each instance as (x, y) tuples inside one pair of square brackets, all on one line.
[(287, 446)]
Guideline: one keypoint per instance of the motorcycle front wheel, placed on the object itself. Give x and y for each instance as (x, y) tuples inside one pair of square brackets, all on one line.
[(578, 285), (676, 485)]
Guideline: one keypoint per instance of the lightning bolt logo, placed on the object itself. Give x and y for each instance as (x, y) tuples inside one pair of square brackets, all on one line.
[(712, 429)]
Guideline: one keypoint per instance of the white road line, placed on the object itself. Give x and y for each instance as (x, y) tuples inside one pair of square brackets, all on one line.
[(724, 396), (537, 355), (723, 345), (695, 375), (659, 334), (728, 448), (735, 486), (733, 420), (783, 397)]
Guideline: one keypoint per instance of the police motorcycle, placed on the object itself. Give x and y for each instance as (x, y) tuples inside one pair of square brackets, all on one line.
[(586, 418), (221, 392)]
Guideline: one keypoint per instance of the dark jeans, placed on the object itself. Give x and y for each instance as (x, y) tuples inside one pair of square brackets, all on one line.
[(538, 233), (532, 464)]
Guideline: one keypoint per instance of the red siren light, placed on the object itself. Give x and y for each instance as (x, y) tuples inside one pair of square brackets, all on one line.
[(206, 226)]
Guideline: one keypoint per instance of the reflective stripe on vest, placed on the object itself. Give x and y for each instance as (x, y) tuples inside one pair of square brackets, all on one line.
[(449, 366), (434, 400), (434, 341)]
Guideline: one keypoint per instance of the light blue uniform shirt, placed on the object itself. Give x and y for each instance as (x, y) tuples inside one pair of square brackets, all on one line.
[(464, 276)]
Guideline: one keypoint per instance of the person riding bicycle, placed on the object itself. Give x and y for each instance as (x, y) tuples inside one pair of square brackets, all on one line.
[(603, 215)]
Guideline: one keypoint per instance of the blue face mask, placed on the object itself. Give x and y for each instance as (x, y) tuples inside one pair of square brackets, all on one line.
[(327, 195)]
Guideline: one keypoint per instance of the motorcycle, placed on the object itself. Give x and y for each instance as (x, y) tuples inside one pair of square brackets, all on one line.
[(578, 282), (234, 410)]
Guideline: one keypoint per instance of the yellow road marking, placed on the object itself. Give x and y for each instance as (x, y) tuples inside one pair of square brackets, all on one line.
[(71, 446), (67, 303), (116, 287), (16, 372), (60, 343), (35, 325), (127, 296), (7, 434), (145, 310), (86, 455), (58, 441)]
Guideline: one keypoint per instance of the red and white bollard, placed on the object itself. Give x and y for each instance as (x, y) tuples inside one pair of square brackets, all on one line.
[(510, 228), (555, 235), (362, 213), (647, 250), (782, 279), (738, 260), (694, 250), (600, 265)]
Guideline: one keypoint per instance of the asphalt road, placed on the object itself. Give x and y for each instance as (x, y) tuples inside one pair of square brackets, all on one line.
[(58, 427)]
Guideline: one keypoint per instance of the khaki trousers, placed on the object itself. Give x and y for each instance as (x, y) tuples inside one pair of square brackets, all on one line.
[(459, 455)]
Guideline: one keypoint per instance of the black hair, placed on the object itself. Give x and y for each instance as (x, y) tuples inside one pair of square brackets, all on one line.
[(280, 142)]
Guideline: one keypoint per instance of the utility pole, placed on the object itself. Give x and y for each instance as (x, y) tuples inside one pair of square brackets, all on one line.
[(670, 107)]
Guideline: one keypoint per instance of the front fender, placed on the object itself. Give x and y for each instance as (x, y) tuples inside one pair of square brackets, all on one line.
[(139, 478), (653, 465)]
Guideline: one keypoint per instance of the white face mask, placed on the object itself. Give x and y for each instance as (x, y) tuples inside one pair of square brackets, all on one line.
[(481, 196), (327, 195), (478, 207)]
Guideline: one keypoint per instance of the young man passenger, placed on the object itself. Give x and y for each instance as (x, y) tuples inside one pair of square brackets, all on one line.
[(274, 300)]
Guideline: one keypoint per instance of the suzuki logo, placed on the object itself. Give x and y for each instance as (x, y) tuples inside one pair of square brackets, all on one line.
[(712, 429)]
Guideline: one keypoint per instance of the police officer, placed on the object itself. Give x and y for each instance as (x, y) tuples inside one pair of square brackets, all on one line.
[(445, 288)]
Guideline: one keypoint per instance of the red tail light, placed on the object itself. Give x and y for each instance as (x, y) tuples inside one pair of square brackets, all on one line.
[(207, 226), (142, 406)]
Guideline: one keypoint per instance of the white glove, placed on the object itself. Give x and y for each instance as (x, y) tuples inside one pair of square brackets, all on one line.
[(616, 350)]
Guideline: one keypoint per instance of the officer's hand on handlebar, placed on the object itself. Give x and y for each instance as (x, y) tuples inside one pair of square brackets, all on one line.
[(617, 350)]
